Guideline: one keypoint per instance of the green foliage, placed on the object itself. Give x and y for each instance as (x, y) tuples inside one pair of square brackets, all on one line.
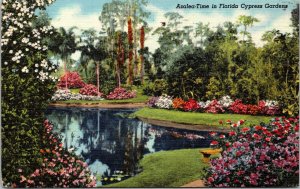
[(188, 74), (157, 88), (213, 89)]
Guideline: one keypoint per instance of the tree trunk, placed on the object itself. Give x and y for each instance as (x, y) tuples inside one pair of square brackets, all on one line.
[(98, 79), (65, 70)]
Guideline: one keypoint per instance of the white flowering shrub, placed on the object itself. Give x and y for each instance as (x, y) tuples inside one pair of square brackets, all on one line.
[(164, 102), (65, 94), (225, 101), (204, 105)]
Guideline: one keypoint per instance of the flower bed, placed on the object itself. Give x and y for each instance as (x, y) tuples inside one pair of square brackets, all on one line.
[(258, 156), (60, 168), (223, 105)]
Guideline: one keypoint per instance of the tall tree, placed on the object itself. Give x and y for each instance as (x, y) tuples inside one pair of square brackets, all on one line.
[(66, 47), (93, 46)]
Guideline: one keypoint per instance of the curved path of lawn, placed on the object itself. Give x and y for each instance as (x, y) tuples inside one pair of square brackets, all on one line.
[(195, 120), (167, 169)]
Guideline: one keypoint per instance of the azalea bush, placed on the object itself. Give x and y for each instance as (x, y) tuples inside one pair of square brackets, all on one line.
[(214, 107), (90, 90), (178, 103), (121, 93), (65, 94), (265, 155), (164, 102), (72, 79), (60, 168), (191, 105)]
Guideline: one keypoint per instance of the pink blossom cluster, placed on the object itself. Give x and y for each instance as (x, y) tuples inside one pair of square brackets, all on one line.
[(259, 156), (90, 90), (60, 168), (121, 93)]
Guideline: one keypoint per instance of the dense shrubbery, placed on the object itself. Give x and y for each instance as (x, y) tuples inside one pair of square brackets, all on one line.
[(121, 93), (265, 155), (90, 90), (72, 79), (26, 86), (225, 104), (60, 168)]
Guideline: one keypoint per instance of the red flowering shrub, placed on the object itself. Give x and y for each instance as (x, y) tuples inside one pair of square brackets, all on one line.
[(259, 156), (121, 93), (90, 90), (214, 107), (60, 168), (178, 103), (74, 80), (238, 107), (253, 109), (191, 105)]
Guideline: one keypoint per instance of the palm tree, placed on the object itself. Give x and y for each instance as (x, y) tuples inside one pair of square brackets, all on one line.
[(67, 45), (92, 46)]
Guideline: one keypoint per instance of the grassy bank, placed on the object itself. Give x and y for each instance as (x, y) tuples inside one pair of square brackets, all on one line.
[(167, 169), (198, 118)]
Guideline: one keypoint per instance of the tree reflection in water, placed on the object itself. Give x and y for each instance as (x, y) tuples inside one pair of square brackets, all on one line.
[(112, 144)]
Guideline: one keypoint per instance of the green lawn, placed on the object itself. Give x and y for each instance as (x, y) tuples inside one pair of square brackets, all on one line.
[(197, 118), (139, 99), (167, 169)]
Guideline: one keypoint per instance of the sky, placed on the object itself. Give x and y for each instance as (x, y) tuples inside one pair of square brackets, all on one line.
[(84, 14)]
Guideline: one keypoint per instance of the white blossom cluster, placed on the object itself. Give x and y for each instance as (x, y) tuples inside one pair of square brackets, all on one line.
[(225, 101), (204, 104), (164, 101), (65, 94), (18, 44), (271, 103)]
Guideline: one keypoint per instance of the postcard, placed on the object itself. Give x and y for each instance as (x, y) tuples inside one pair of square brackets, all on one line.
[(149, 93)]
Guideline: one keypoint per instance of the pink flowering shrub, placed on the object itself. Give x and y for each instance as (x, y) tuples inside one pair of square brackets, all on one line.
[(269, 107), (60, 168), (121, 93), (259, 156), (73, 78), (90, 90), (191, 105), (214, 107)]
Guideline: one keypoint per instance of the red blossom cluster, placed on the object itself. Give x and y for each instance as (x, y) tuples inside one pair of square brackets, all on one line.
[(60, 168), (265, 155), (238, 107), (191, 105), (73, 80), (90, 90), (121, 93)]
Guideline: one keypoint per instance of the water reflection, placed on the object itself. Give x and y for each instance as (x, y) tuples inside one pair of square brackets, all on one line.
[(112, 144)]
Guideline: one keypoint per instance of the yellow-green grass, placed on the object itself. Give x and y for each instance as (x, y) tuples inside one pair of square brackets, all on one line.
[(197, 118), (167, 169)]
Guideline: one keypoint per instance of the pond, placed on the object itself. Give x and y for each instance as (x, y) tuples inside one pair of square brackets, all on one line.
[(112, 143)]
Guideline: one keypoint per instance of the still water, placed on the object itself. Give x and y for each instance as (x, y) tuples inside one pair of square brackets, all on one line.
[(112, 143)]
